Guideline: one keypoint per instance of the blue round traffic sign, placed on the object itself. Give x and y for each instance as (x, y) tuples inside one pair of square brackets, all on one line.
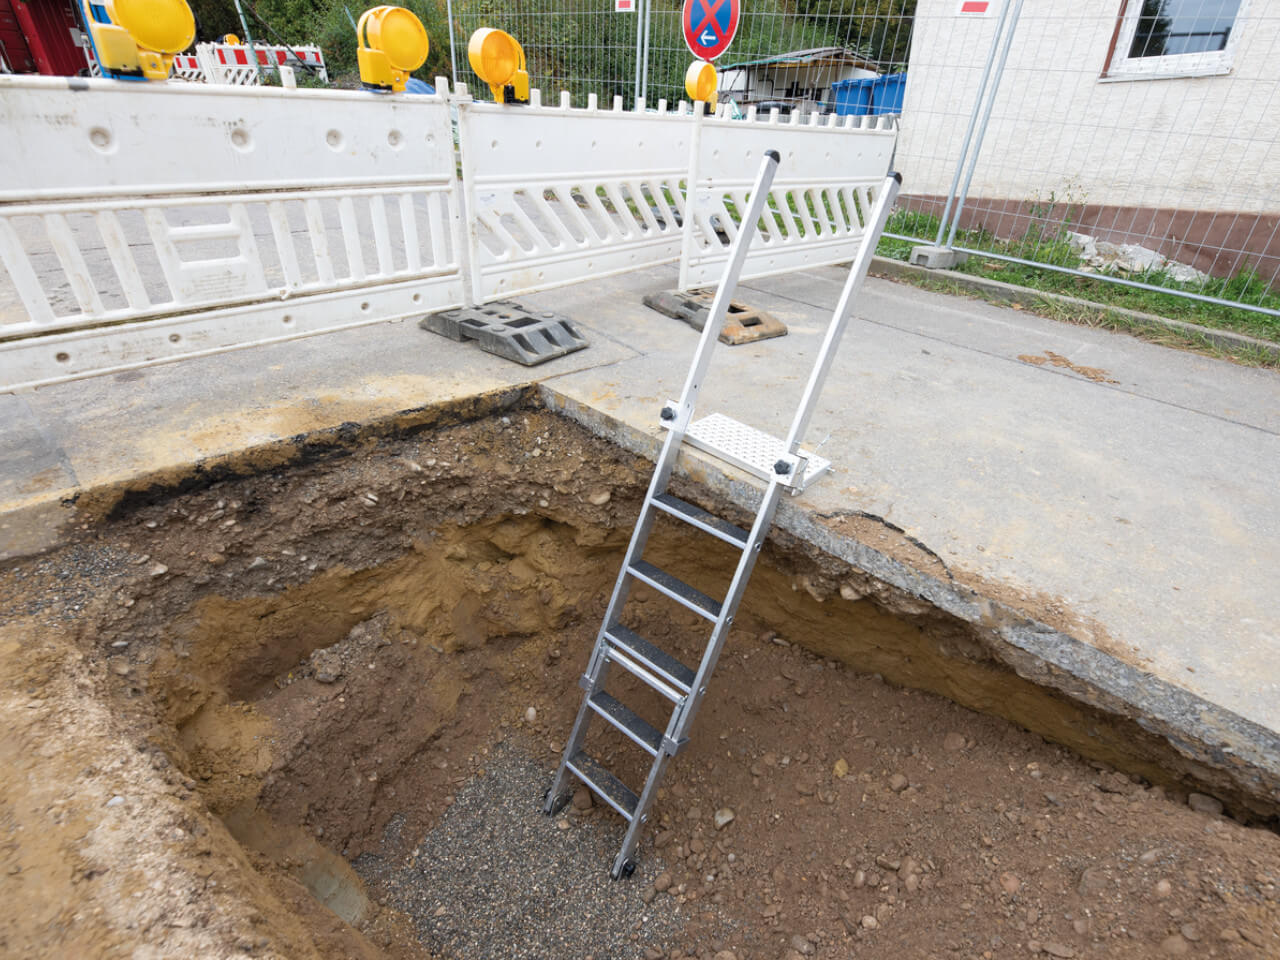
[(709, 26)]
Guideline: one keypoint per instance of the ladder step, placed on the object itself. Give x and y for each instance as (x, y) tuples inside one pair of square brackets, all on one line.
[(652, 657), (676, 589), (626, 720), (604, 784), (749, 449), (707, 522)]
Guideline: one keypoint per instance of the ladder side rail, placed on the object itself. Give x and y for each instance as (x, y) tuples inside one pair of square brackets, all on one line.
[(737, 587), (724, 294), (641, 817), (688, 398), (597, 669), (573, 745), (682, 718), (840, 319)]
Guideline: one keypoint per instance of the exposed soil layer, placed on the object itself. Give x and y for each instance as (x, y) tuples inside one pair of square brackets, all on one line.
[(239, 718)]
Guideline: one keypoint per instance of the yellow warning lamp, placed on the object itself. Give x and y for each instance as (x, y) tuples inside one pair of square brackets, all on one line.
[(231, 40), (139, 38), (393, 44), (700, 83), (499, 61)]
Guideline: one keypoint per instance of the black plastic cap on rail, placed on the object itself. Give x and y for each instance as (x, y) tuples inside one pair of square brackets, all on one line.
[(897, 176), (777, 157)]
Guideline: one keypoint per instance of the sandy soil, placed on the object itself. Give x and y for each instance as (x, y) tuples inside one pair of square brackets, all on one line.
[(215, 703)]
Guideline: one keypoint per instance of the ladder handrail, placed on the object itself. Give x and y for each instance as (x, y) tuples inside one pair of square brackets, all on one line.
[(724, 292), (840, 319)]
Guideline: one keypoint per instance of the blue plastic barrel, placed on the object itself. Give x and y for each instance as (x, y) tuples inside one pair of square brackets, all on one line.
[(853, 97), (886, 93)]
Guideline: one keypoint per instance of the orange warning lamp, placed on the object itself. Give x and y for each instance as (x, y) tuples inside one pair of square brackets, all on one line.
[(393, 44), (700, 82), (138, 39), (499, 61)]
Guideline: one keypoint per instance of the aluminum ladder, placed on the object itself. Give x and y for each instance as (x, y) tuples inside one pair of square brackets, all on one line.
[(781, 463)]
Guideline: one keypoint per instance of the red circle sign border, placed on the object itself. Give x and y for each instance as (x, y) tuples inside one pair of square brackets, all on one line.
[(705, 11)]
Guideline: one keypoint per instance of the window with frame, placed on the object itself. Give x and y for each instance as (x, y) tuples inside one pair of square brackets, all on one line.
[(1174, 38)]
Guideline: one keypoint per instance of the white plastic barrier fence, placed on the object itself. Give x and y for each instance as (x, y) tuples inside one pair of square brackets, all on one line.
[(187, 66), (559, 194), (830, 171), (145, 222), (233, 63)]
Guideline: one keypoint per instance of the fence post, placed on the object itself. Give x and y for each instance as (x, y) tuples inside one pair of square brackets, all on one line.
[(644, 80), (973, 121), (248, 39), (467, 236), (938, 255), (640, 49), (982, 127), (690, 198), (453, 54)]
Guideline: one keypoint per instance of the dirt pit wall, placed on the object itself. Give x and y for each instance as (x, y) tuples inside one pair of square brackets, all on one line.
[(226, 695)]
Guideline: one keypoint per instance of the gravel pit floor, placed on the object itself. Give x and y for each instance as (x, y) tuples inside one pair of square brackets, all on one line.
[(497, 878), (280, 715)]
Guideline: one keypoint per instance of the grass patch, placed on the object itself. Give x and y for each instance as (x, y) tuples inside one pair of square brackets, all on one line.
[(1052, 248), (1102, 317)]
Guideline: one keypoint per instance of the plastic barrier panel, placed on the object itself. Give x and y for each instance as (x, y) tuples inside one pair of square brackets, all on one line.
[(143, 223), (233, 63), (831, 167), (558, 195)]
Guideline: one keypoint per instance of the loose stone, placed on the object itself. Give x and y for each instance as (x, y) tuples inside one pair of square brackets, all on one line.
[(1205, 804)]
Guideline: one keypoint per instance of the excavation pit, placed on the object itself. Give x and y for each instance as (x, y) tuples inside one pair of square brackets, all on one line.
[(283, 709)]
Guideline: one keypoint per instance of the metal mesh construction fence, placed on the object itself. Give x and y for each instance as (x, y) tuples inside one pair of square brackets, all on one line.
[(1133, 141), (1128, 140), (587, 46)]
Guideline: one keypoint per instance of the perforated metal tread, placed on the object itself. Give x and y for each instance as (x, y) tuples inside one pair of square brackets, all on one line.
[(627, 720), (654, 658), (701, 519), (604, 784), (676, 589), (747, 448)]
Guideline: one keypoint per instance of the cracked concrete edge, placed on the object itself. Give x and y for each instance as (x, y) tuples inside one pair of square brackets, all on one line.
[(998, 290), (40, 523), (1235, 752)]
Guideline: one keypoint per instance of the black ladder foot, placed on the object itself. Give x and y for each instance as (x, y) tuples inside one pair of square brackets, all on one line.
[(627, 869)]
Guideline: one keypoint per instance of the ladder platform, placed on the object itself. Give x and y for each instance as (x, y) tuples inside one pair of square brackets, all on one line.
[(676, 589), (651, 657), (704, 521), (627, 720), (747, 448), (604, 784)]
